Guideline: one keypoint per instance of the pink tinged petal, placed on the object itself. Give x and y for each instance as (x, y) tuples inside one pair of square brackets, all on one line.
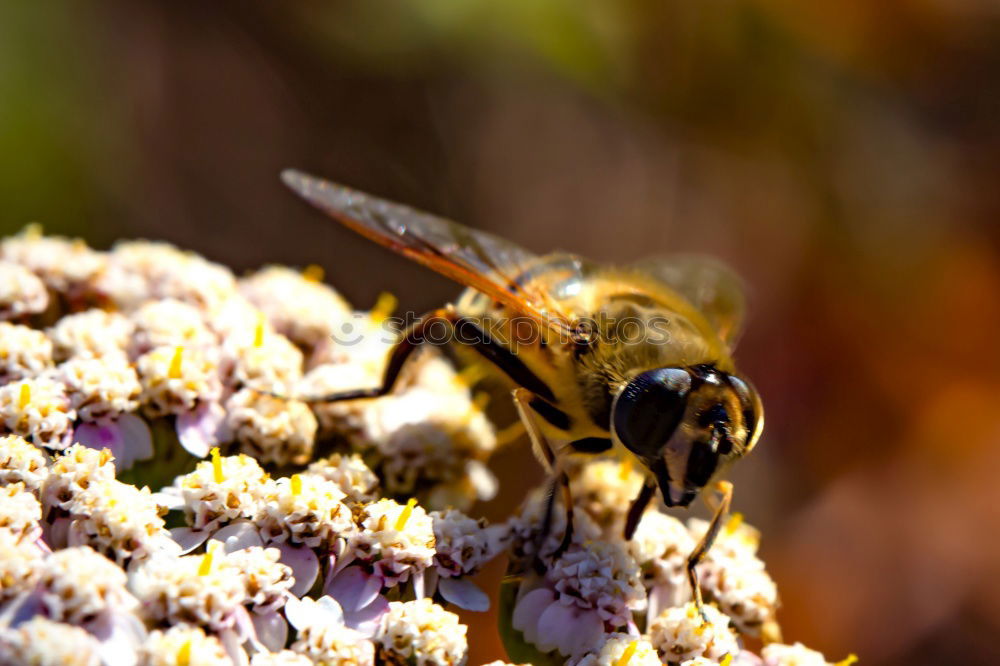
[(569, 629), (464, 594), (201, 429), (353, 588), (57, 533), (234, 647), (138, 438), (304, 564), (272, 630), (188, 539), (238, 535), (418, 585), (304, 612), (120, 635), (366, 620), (527, 611)]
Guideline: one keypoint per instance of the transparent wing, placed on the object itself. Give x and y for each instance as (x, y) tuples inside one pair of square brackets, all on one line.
[(708, 284), (473, 258)]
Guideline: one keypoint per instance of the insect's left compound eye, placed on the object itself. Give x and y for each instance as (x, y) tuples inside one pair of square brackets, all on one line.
[(650, 408)]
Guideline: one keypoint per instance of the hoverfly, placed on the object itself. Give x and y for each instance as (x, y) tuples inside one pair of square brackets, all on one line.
[(673, 401)]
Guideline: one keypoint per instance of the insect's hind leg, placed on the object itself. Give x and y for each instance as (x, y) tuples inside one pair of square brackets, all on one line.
[(409, 342), (707, 539)]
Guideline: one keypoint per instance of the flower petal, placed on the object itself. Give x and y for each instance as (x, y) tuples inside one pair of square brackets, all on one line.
[(304, 564), (200, 430), (120, 635), (188, 539), (464, 593), (305, 612), (366, 620), (354, 588), (138, 438), (272, 630), (238, 535), (527, 611)]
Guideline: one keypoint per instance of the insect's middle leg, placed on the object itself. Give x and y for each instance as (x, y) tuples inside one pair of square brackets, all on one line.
[(411, 340), (559, 481)]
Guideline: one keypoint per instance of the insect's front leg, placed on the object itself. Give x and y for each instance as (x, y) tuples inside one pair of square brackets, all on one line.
[(558, 477), (409, 342), (725, 488)]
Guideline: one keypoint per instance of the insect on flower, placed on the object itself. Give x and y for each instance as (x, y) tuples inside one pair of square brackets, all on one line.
[(634, 359)]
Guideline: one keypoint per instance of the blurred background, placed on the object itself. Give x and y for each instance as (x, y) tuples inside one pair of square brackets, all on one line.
[(843, 155)]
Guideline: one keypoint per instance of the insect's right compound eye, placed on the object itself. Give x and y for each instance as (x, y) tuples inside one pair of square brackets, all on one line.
[(650, 408)]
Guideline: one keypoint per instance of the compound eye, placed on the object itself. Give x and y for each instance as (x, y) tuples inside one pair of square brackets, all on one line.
[(753, 412), (650, 408)]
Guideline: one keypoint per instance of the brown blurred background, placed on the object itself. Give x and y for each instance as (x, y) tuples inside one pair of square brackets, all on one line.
[(842, 155)]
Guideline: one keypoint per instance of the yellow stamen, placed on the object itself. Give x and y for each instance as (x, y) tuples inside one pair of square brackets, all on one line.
[(727, 660), (24, 397), (851, 659), (313, 273), (385, 305), (258, 333), (734, 523), (206, 559), (217, 465), (296, 483), (626, 469), (184, 654), (405, 515), (33, 231), (174, 372), (627, 654)]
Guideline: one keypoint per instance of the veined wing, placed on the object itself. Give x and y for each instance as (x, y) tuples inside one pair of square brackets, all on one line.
[(708, 284), (472, 258)]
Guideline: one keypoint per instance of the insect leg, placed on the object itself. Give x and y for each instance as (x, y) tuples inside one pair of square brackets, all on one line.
[(408, 343), (639, 505), (698, 554), (547, 457)]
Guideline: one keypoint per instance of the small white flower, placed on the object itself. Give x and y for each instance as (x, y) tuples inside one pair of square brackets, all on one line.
[(397, 540), (268, 361), (73, 472), (221, 490), (22, 462), (661, 545), (42, 642), (176, 379), (463, 544), (20, 564), (22, 293), (305, 509), (169, 323), (77, 585), (24, 352), (90, 334), (39, 410), (118, 520), (680, 634), (267, 580), (422, 633), (64, 265), (620, 650), (283, 658), (100, 389), (182, 645), (354, 478), (271, 429), (20, 511), (604, 489), (778, 654)]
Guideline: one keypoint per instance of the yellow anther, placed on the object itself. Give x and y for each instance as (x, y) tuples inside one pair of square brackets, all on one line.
[(851, 659), (184, 654), (24, 397), (627, 654), (296, 483), (313, 273), (206, 560), (33, 231), (217, 465), (174, 371), (727, 660), (405, 515), (258, 333), (625, 470), (385, 305), (734, 523)]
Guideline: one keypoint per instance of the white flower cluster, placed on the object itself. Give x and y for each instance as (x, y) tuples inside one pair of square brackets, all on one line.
[(601, 600)]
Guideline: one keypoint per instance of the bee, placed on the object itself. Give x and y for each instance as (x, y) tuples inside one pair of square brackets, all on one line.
[(634, 359)]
